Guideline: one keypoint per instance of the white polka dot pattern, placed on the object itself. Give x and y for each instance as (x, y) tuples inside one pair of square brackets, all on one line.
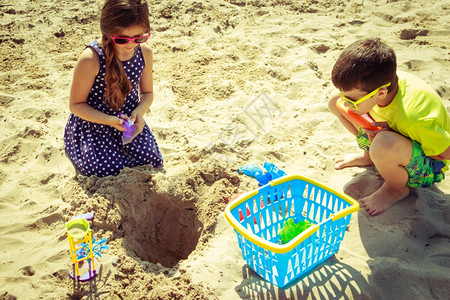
[(97, 149)]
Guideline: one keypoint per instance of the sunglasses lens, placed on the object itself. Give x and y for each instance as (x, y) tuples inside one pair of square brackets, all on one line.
[(120, 41), (141, 40), (349, 103)]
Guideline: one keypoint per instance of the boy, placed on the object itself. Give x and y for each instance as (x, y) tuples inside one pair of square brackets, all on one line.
[(413, 147)]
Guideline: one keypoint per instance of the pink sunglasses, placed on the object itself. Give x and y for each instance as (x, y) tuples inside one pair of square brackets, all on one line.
[(122, 40)]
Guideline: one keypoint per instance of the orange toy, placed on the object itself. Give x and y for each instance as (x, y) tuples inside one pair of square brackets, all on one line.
[(365, 120)]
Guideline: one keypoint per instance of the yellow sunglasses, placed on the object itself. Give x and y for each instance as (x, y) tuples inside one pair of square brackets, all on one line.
[(354, 103)]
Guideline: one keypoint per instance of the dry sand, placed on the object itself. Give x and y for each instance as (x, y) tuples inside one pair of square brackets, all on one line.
[(236, 82)]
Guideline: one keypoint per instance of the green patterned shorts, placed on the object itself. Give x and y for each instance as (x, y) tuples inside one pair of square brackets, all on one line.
[(423, 171)]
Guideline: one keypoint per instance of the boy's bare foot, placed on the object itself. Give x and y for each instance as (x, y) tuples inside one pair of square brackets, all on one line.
[(382, 199), (353, 160)]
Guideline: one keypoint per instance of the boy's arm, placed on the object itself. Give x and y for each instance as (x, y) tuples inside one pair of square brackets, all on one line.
[(444, 155), (433, 138)]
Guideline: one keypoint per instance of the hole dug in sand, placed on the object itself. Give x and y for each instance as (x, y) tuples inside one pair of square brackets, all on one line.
[(159, 231), (155, 215)]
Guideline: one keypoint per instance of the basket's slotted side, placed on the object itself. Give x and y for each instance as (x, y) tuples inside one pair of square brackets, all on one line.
[(262, 261), (265, 213)]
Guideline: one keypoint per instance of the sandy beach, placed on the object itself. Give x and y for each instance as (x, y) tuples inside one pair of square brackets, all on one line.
[(236, 82)]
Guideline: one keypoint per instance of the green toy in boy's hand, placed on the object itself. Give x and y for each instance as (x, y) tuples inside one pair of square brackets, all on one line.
[(290, 230)]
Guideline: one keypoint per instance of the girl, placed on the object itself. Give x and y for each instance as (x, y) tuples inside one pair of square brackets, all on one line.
[(113, 82)]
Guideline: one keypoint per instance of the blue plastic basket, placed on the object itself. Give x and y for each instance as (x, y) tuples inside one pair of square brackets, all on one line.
[(258, 216)]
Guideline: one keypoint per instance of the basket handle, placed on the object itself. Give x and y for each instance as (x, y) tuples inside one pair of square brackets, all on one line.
[(344, 212)]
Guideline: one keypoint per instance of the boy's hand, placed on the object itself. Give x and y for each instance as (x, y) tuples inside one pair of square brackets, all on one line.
[(372, 133)]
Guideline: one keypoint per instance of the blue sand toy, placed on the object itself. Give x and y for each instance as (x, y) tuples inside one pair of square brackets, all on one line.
[(97, 246), (274, 170), (251, 170), (263, 175)]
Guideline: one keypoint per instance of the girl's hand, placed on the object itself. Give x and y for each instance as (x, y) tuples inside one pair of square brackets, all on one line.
[(117, 123), (372, 133), (138, 118)]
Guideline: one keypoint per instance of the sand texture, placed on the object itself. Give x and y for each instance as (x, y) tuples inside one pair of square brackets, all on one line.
[(236, 82)]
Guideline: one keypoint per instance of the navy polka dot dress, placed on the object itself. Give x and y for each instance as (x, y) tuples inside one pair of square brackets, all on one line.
[(97, 149)]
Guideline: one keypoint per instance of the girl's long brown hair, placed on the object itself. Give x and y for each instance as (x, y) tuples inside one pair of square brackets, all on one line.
[(117, 15)]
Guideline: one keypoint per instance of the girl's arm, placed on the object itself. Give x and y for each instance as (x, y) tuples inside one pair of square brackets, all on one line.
[(87, 67), (145, 88)]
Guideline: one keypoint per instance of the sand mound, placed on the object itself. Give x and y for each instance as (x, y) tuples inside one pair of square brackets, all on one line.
[(236, 82)]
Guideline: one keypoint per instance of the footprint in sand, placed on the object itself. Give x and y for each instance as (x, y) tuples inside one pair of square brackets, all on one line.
[(28, 271), (442, 260)]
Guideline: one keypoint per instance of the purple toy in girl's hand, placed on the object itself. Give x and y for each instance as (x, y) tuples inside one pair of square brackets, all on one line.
[(131, 130)]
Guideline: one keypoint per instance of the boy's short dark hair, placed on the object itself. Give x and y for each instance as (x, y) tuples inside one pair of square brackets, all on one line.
[(365, 65)]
